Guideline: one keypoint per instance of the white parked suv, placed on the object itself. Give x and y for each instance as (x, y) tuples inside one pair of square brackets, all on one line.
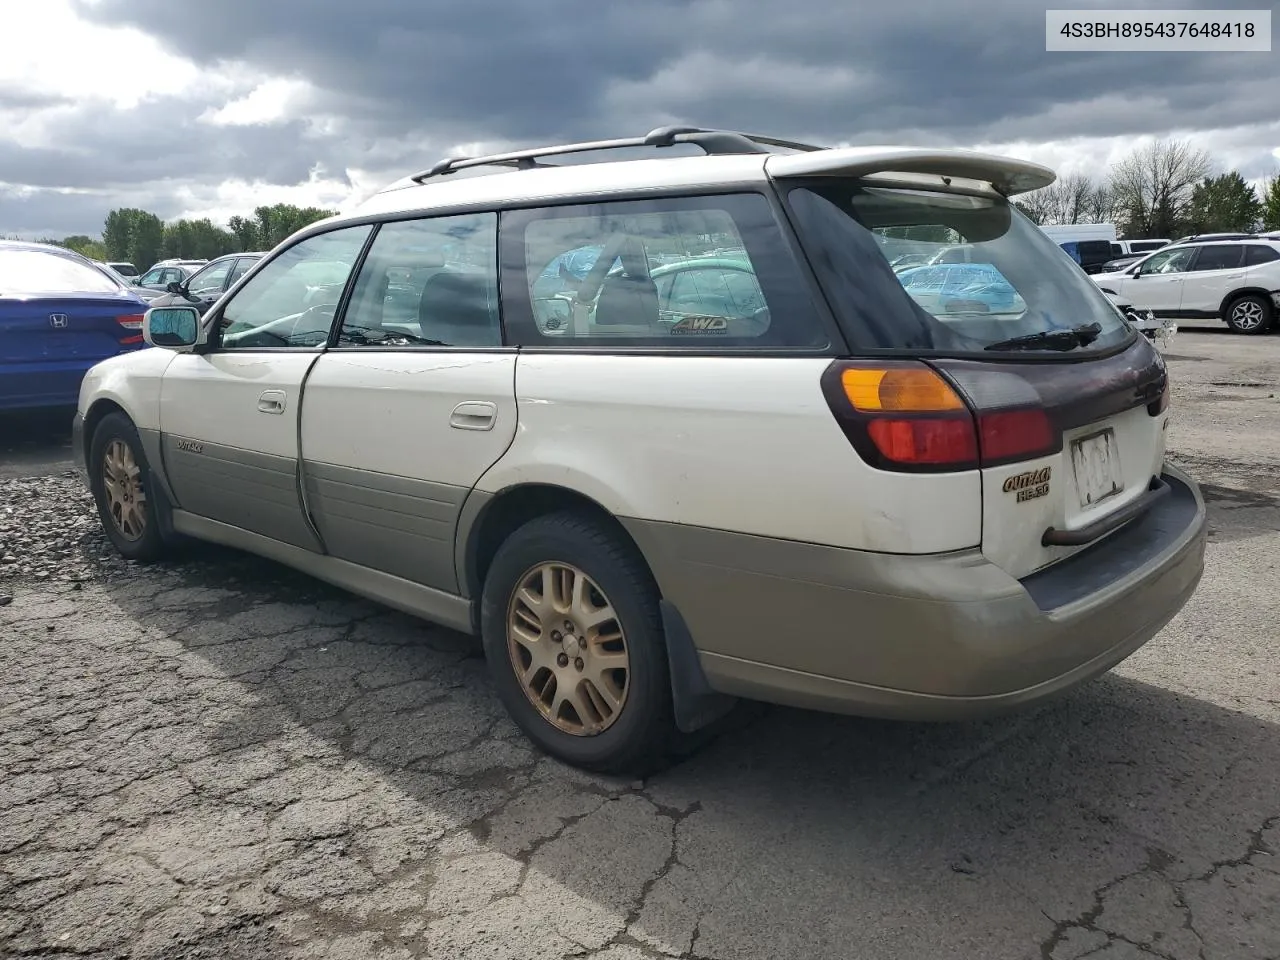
[(669, 432), (1237, 281)]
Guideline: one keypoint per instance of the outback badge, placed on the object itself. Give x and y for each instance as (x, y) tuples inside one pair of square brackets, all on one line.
[(1030, 485)]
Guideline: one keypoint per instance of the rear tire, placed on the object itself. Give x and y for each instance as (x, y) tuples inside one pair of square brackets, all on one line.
[(120, 479), (573, 637), (1249, 314)]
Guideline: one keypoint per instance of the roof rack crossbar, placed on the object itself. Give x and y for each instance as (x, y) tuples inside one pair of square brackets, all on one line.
[(712, 142)]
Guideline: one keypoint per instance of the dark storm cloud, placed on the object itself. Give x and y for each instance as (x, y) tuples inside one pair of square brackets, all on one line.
[(397, 83), (159, 140), (498, 69)]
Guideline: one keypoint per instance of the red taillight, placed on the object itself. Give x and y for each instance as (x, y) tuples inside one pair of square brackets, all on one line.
[(906, 416), (925, 441), (1007, 435), (132, 321), (127, 341)]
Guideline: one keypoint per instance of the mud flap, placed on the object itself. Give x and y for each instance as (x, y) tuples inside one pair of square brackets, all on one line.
[(695, 704)]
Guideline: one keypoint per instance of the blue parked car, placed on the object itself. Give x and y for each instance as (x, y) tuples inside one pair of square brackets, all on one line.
[(59, 315), (961, 288)]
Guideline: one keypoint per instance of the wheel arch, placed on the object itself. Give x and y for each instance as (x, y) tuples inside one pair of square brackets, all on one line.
[(1235, 295), (487, 520), (97, 412)]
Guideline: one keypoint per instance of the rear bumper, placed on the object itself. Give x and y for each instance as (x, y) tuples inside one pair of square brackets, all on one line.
[(923, 637), (26, 386)]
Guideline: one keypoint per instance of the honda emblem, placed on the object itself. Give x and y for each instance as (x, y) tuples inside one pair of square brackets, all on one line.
[(57, 320)]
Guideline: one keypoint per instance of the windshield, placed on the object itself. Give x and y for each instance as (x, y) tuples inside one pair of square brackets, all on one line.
[(986, 273), (27, 272)]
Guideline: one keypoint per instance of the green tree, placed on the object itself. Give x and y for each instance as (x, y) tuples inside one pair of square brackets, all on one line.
[(85, 246), (245, 232), (117, 232), (146, 239), (1224, 203), (279, 221), (1271, 203)]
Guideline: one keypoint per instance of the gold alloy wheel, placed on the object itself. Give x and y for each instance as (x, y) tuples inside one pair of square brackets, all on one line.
[(568, 649), (122, 482)]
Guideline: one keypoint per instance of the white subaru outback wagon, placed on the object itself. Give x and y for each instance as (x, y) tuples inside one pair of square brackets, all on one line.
[(669, 431)]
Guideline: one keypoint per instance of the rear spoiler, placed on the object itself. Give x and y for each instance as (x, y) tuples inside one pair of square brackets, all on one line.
[(1006, 175)]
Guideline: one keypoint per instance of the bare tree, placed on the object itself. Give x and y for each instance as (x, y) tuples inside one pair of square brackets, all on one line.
[(1152, 186), (1100, 204), (1074, 198)]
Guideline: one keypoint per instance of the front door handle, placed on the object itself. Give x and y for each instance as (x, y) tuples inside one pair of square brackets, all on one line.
[(474, 415), (272, 401)]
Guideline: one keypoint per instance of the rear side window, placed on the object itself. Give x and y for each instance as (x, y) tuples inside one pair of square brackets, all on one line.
[(1013, 281), (692, 272), (28, 272), (1222, 257), (1256, 255)]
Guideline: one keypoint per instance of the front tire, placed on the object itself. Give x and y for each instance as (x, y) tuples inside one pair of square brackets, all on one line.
[(119, 477), (1249, 314), (573, 637)]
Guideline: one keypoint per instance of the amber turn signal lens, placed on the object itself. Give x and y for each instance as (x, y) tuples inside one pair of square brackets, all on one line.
[(899, 390)]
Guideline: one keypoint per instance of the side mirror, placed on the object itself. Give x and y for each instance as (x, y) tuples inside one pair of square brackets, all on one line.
[(174, 286), (177, 328)]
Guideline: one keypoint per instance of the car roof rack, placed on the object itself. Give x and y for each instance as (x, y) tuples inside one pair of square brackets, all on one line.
[(712, 142)]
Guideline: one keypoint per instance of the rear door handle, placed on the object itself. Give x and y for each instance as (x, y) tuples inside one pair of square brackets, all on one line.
[(272, 401), (474, 415)]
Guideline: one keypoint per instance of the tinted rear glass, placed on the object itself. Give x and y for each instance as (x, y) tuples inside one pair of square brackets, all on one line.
[(28, 272), (1257, 254), (1219, 258), (1014, 280)]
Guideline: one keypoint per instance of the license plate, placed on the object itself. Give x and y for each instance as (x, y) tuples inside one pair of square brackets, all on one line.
[(1096, 463)]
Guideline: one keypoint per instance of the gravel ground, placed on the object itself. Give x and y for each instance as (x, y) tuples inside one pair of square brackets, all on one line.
[(49, 531), (218, 758)]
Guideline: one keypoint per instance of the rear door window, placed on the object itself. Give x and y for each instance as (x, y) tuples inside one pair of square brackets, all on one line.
[(1221, 257), (672, 273), (427, 283)]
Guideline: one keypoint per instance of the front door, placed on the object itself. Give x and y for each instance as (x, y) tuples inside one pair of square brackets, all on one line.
[(415, 401), (1157, 286), (229, 415)]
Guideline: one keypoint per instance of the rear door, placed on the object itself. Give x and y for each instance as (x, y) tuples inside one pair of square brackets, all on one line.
[(1216, 270), (413, 403)]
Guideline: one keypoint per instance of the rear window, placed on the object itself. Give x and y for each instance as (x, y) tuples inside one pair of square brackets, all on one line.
[(30, 272), (693, 272), (1256, 254), (1014, 281)]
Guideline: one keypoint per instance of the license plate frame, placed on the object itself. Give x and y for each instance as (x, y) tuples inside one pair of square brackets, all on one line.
[(1095, 462)]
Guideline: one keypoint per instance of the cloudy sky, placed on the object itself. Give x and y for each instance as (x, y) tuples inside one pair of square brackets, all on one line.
[(212, 107)]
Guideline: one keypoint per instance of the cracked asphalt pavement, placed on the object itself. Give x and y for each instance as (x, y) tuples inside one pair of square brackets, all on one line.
[(219, 758)]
